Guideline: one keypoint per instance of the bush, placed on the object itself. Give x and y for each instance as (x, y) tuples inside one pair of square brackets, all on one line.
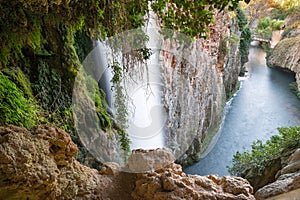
[(14, 108), (262, 153), (267, 25)]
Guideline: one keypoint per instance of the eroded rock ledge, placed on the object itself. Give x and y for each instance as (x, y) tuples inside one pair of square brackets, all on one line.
[(287, 185), (39, 164)]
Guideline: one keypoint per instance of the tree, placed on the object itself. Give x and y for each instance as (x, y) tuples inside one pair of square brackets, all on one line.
[(191, 17)]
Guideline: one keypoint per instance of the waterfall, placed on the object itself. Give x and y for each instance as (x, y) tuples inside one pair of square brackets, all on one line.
[(146, 112), (102, 66)]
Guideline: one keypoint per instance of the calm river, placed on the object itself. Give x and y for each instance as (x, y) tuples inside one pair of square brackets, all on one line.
[(263, 103)]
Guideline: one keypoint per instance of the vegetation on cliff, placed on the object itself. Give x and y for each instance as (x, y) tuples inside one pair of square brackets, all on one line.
[(14, 107), (245, 35), (260, 156)]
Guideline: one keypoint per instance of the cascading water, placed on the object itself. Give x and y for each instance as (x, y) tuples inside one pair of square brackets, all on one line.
[(146, 112), (175, 100)]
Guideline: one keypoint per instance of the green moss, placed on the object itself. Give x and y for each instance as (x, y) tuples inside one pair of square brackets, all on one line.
[(14, 108), (17, 76), (237, 87), (97, 96), (83, 44)]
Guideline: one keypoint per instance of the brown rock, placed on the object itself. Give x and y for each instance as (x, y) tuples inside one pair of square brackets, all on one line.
[(39, 164), (169, 183), (286, 55), (110, 168), (149, 160), (293, 163)]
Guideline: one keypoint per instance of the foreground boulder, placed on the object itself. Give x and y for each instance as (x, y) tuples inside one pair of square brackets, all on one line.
[(171, 183), (39, 164), (149, 160)]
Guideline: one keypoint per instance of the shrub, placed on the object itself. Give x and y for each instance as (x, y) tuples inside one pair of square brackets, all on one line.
[(262, 153), (267, 25)]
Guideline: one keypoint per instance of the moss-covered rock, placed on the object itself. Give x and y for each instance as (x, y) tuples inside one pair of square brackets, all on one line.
[(14, 107)]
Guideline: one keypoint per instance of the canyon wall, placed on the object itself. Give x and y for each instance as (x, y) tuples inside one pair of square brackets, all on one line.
[(286, 53), (198, 79)]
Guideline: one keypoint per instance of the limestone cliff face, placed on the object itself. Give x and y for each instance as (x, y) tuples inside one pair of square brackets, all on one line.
[(198, 80), (39, 164), (286, 55)]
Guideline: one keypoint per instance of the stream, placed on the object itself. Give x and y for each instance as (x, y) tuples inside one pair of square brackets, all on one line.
[(263, 103)]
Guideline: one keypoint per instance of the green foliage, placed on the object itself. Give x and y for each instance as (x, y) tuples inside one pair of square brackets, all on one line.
[(266, 26), (14, 108), (120, 106), (233, 39), (190, 17), (83, 44), (97, 96), (17, 76), (244, 44), (245, 38), (262, 153), (15, 37), (47, 87), (242, 19)]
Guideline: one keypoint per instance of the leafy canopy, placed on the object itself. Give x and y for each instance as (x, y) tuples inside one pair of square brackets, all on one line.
[(189, 16)]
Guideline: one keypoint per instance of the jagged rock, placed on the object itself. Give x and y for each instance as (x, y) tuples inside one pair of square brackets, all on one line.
[(171, 183), (149, 160), (294, 163), (39, 164), (287, 182)]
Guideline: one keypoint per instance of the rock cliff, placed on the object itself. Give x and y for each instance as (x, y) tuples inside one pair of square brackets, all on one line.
[(39, 164), (286, 55), (198, 80)]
